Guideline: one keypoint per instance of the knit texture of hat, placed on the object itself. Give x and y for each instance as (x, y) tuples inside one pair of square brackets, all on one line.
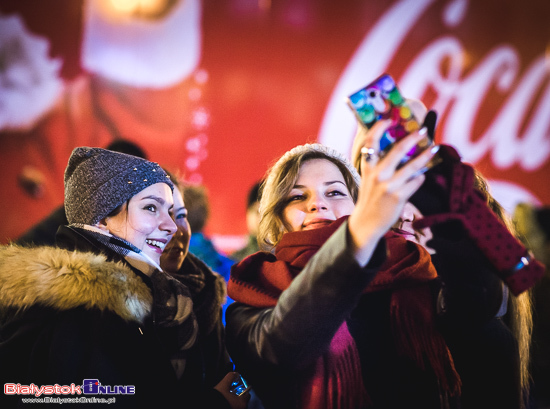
[(299, 151), (98, 180)]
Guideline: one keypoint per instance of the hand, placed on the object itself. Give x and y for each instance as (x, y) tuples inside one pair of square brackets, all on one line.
[(367, 137), (224, 387), (384, 188)]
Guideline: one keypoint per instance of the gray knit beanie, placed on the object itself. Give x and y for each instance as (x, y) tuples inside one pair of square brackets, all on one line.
[(97, 181)]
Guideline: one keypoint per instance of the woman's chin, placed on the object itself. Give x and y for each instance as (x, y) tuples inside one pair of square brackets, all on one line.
[(172, 261)]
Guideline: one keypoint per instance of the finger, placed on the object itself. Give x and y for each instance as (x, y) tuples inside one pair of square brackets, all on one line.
[(411, 186), (377, 131), (413, 169), (370, 139), (399, 151), (369, 158)]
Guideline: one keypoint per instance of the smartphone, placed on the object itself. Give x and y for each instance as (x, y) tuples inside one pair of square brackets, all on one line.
[(239, 386), (381, 100)]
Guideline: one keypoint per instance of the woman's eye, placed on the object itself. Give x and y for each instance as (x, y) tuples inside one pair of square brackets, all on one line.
[(151, 208), (295, 198), (181, 216), (335, 193)]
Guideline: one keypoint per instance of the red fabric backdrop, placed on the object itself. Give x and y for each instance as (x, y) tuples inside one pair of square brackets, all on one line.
[(273, 75)]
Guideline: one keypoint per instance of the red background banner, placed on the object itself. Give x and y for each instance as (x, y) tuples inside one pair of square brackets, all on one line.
[(273, 75)]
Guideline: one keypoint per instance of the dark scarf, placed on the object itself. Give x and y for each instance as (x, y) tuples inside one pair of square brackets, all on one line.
[(172, 304), (260, 279), (207, 291)]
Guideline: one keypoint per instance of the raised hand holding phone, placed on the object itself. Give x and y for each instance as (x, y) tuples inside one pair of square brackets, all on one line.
[(381, 100)]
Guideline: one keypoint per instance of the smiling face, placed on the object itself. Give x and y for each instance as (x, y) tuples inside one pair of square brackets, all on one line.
[(175, 252), (319, 196), (145, 221)]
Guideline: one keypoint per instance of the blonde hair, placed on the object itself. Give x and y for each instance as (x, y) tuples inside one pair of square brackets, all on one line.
[(281, 179), (519, 317)]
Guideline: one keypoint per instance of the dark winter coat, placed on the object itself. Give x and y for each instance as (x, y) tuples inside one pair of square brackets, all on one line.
[(67, 316), (467, 295)]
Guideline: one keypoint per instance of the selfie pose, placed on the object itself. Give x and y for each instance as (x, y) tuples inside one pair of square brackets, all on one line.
[(348, 309), (99, 314), (295, 331)]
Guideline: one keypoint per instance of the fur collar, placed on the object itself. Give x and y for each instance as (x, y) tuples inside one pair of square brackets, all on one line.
[(63, 280)]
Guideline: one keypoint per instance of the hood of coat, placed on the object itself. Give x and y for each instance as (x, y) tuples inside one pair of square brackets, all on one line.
[(63, 280)]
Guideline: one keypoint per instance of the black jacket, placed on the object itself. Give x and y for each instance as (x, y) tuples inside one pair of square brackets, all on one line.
[(67, 316), (273, 347)]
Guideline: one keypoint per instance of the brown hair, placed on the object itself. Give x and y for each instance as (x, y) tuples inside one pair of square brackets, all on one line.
[(280, 181)]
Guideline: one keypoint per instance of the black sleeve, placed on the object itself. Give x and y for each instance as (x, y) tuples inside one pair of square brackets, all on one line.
[(470, 292), (308, 313)]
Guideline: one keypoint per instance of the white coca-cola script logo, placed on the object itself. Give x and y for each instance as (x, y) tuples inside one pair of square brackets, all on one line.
[(518, 135)]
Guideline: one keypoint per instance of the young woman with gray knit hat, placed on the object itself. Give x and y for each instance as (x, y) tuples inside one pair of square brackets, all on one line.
[(98, 311)]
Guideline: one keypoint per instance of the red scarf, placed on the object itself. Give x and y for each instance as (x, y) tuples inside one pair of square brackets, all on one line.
[(336, 380)]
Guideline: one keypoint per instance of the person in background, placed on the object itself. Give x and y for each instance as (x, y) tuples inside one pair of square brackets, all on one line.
[(207, 361), (99, 311), (200, 245), (252, 221), (492, 355), (533, 225), (43, 233), (198, 212)]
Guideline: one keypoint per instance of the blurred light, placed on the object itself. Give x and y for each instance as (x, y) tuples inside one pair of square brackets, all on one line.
[(193, 144), (137, 8), (201, 76), (152, 6), (201, 118), (264, 5), (192, 163), (195, 94), (195, 179), (125, 6)]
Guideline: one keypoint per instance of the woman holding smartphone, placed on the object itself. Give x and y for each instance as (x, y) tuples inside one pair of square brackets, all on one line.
[(99, 315), (291, 331)]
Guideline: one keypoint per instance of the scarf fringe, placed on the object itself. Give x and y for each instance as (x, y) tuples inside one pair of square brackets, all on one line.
[(336, 381)]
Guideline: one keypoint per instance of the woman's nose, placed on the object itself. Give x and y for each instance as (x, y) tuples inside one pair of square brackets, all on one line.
[(168, 224), (408, 215), (317, 202)]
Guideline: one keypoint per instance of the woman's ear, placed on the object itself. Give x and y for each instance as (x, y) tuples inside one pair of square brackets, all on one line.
[(102, 225)]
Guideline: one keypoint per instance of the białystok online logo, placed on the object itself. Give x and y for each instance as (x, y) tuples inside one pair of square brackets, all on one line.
[(89, 387), (94, 387)]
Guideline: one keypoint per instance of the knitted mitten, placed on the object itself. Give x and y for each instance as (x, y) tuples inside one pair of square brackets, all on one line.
[(449, 194)]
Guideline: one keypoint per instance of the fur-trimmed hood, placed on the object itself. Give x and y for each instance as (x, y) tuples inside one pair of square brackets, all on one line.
[(64, 280)]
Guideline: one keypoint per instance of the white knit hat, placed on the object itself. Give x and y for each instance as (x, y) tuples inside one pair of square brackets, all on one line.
[(300, 150)]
